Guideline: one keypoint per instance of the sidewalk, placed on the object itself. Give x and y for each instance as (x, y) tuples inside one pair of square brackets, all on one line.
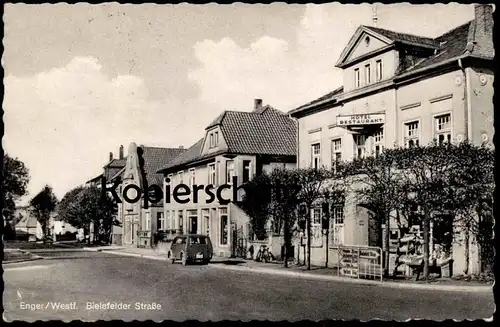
[(317, 273)]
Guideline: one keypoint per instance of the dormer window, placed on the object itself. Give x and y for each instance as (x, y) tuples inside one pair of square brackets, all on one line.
[(214, 139), (367, 74), (378, 69), (356, 78)]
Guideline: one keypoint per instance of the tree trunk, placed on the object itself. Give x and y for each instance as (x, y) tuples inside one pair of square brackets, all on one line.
[(387, 251), (466, 250), (285, 239), (308, 228), (426, 246), (326, 241)]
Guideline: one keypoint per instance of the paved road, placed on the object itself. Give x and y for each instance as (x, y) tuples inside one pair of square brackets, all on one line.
[(205, 293)]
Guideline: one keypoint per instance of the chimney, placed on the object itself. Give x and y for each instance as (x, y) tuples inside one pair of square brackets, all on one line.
[(121, 152), (374, 16), (111, 156), (257, 103), (483, 15), (181, 147)]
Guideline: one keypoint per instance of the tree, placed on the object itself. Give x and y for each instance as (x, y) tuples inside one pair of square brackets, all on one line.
[(311, 182), (15, 178), (378, 187), (471, 188), (42, 205), (285, 187), (426, 173), (257, 203), (84, 206)]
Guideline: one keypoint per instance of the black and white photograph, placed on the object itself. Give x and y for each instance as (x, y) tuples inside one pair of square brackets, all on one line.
[(241, 162)]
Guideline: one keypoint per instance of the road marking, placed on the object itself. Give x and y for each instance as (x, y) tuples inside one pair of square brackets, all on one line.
[(27, 268)]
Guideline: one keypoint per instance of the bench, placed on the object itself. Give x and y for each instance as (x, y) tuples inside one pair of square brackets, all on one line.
[(434, 267)]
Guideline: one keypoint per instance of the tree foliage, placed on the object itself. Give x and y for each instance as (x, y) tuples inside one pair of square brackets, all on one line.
[(15, 178), (42, 206), (85, 206)]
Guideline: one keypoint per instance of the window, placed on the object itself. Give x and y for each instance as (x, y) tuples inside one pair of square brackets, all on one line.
[(205, 213), (337, 225), (180, 177), (160, 225), (378, 140), (315, 155), (168, 220), (181, 220), (443, 128), (216, 138), (229, 171), (360, 142), (192, 177), (412, 136), (171, 177), (367, 74), (212, 140), (193, 221), (246, 170), (336, 152), (211, 174), (223, 226), (356, 77), (147, 222), (316, 216), (378, 69)]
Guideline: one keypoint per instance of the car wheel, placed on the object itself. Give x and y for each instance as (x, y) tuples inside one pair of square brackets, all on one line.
[(170, 257), (184, 259), (205, 262)]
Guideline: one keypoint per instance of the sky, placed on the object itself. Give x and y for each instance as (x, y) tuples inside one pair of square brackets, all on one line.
[(81, 80)]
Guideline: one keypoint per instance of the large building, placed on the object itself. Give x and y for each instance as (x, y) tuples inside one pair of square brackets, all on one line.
[(236, 144), (400, 89), (139, 222)]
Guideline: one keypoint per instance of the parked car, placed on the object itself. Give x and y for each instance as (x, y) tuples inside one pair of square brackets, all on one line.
[(191, 248)]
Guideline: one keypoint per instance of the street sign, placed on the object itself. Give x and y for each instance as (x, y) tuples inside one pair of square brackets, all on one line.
[(360, 262)]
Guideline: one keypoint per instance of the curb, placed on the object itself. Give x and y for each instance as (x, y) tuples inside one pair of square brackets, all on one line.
[(99, 249), (129, 254), (450, 288), (35, 258)]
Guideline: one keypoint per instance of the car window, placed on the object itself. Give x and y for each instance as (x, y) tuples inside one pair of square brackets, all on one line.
[(180, 240), (198, 240)]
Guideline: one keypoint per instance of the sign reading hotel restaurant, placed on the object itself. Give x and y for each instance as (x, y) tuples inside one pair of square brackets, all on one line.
[(363, 119)]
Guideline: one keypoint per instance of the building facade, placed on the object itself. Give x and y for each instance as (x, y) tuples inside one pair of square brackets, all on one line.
[(235, 145), (138, 222), (400, 90)]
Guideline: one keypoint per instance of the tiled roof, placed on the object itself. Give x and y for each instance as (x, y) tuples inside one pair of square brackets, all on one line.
[(155, 158), (473, 38), (453, 44), (193, 153), (28, 221), (259, 133), (265, 130), (404, 37)]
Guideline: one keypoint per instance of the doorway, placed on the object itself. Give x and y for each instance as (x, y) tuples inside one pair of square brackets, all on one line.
[(194, 225)]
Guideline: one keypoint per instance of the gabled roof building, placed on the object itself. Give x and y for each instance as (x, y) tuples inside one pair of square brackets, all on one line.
[(399, 89)]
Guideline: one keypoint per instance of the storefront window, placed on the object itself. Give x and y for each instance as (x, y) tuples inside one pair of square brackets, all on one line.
[(223, 226)]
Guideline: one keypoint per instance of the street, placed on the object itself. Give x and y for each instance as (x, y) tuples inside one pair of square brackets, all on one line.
[(156, 290)]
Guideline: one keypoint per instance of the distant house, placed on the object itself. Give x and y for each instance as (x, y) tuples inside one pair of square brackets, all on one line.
[(138, 224), (28, 228), (60, 229), (110, 169)]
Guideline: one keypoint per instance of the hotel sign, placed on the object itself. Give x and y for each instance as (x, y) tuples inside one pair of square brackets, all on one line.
[(363, 119)]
